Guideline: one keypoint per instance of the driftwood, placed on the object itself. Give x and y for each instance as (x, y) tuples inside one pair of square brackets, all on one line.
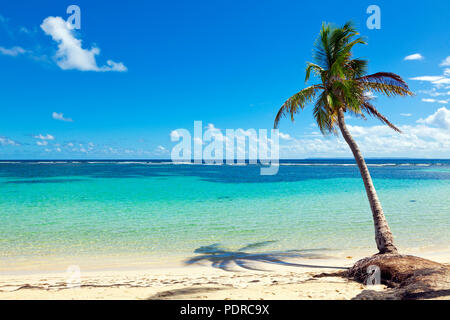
[(407, 277)]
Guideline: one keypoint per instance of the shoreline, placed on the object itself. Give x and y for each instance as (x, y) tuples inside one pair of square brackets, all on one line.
[(265, 281), (26, 265)]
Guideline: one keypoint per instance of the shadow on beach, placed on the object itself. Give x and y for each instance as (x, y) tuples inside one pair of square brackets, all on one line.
[(175, 293), (229, 260)]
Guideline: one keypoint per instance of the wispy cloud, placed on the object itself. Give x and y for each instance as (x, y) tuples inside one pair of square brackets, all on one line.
[(13, 51), (284, 136), (42, 143), (5, 141), (428, 78), (174, 135), (435, 101), (4, 21), (441, 81), (438, 81), (445, 62), (415, 56), (160, 150), (70, 54), (44, 137), (434, 93), (60, 116)]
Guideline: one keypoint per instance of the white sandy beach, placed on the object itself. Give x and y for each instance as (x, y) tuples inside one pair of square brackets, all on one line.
[(195, 282)]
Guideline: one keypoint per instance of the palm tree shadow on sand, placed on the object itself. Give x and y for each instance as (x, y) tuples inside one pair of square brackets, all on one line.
[(228, 260)]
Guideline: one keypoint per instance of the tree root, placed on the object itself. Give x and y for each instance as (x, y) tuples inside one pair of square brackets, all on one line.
[(408, 277)]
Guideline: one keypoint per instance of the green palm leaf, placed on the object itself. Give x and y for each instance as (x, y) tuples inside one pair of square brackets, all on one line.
[(296, 102), (344, 82)]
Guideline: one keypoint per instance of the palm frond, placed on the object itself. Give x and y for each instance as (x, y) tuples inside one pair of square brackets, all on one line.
[(296, 102), (321, 52), (358, 67), (388, 90), (318, 70), (322, 119), (359, 114), (371, 110), (340, 37), (386, 78), (323, 113), (350, 94), (342, 57)]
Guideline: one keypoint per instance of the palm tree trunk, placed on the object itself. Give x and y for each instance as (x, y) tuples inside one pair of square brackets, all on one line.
[(383, 235)]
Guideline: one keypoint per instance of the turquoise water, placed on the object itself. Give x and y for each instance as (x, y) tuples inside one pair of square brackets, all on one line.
[(157, 209)]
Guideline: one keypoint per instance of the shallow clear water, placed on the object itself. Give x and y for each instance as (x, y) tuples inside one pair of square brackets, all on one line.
[(157, 209)]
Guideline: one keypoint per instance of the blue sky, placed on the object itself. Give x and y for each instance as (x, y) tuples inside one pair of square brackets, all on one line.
[(227, 63)]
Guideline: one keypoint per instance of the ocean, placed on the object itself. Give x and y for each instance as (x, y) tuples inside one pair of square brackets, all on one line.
[(155, 210)]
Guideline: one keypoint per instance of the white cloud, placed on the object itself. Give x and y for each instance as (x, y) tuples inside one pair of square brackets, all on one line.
[(60, 116), (160, 150), (442, 81), (430, 137), (445, 62), (438, 81), (415, 56), (211, 127), (114, 66), (45, 137), (5, 141), (369, 94), (441, 118), (42, 143), (14, 51), (428, 78), (434, 93), (70, 54), (406, 114), (435, 101), (284, 136), (174, 135)]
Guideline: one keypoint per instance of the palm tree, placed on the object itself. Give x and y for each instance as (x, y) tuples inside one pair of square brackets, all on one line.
[(345, 87)]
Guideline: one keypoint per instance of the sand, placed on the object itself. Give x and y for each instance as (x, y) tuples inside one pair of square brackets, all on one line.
[(195, 282)]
